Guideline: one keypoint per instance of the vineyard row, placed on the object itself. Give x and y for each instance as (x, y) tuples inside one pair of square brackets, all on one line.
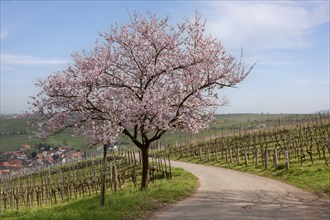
[(303, 142), (78, 180)]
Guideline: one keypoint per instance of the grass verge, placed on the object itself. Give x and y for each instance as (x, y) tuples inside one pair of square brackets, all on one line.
[(311, 177), (130, 203)]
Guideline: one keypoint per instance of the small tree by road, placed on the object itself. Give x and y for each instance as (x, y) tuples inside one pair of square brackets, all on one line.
[(146, 78)]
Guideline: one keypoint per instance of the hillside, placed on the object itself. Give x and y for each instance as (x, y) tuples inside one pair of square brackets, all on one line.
[(14, 131)]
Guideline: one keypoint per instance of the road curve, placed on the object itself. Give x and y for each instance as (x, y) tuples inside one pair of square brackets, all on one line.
[(228, 194)]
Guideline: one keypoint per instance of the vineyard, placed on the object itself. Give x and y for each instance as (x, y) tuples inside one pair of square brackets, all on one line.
[(302, 144), (278, 147), (65, 183)]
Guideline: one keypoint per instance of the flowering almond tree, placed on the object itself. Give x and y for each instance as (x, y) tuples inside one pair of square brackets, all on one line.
[(148, 77)]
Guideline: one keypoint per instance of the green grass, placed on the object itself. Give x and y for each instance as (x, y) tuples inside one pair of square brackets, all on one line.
[(311, 177), (8, 124), (130, 203), (13, 142)]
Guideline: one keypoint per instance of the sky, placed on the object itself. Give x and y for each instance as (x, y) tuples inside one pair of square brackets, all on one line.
[(289, 40)]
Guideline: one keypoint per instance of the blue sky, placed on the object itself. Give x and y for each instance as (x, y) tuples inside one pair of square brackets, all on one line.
[(289, 39)]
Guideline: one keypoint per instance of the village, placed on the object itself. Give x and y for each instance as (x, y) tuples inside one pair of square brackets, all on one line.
[(27, 158)]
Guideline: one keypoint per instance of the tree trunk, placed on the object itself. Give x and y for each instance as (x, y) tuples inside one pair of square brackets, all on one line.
[(145, 167), (103, 172)]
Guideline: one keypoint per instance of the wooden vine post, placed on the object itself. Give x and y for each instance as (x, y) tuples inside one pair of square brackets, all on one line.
[(275, 158), (62, 186), (266, 157), (169, 165), (103, 172), (216, 154), (257, 156), (286, 160), (237, 156), (114, 179), (245, 157), (230, 155)]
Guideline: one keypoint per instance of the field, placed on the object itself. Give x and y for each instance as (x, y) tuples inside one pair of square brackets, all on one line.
[(15, 132)]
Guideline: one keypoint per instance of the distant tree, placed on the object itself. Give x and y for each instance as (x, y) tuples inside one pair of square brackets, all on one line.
[(33, 154), (148, 77), (3, 157), (55, 157), (43, 146)]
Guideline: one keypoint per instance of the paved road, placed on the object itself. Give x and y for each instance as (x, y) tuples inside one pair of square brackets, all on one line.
[(228, 194)]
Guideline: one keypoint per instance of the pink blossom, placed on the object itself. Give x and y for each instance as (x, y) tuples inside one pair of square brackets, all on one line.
[(147, 76)]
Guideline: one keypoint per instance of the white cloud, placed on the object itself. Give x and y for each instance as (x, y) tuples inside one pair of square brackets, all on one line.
[(3, 34), (4, 68), (276, 58), (302, 82), (266, 25), (307, 82), (14, 59), (325, 82)]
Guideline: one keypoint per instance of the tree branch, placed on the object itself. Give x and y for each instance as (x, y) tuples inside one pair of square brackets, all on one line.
[(135, 141)]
